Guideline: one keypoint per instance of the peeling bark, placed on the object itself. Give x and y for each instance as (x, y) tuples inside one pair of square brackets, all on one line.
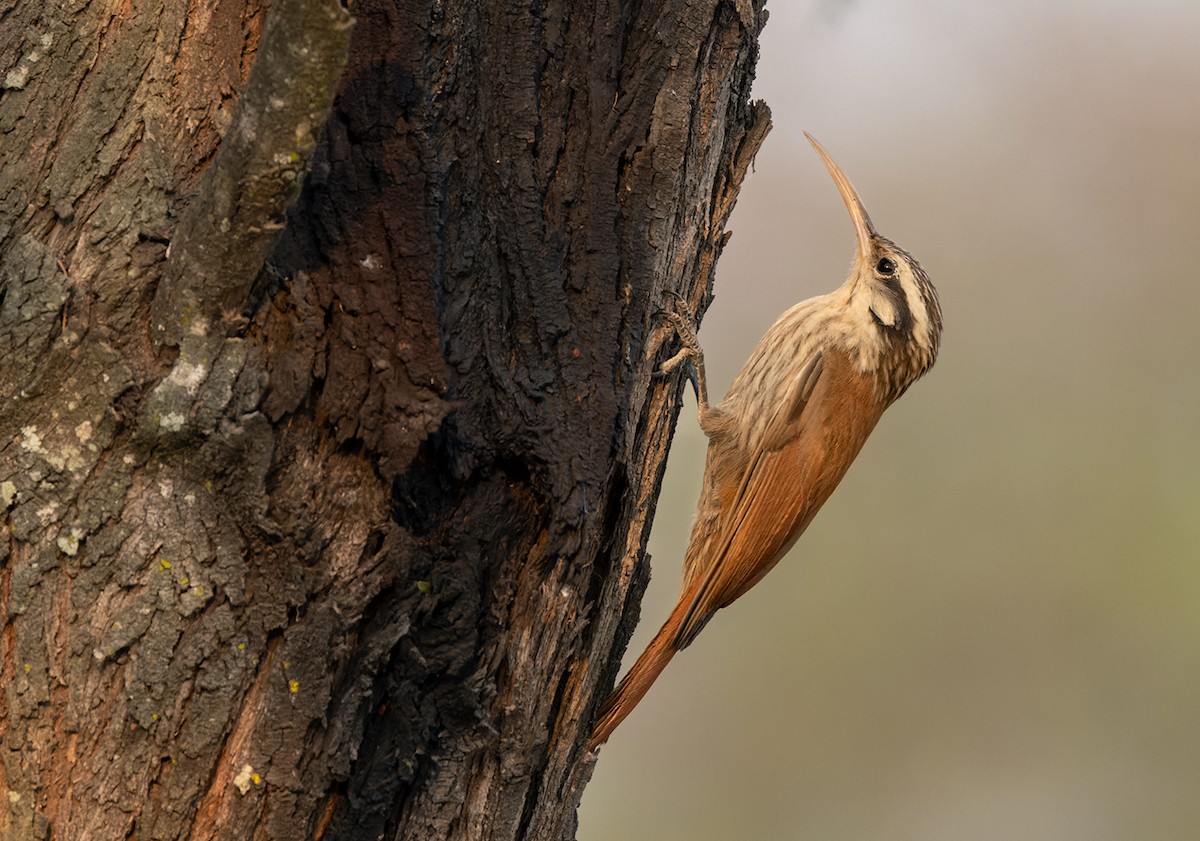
[(336, 532)]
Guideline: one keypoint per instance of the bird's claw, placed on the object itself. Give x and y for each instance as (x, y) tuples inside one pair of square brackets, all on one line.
[(687, 337), (690, 353)]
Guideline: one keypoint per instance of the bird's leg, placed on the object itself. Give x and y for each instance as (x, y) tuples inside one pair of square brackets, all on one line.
[(693, 355)]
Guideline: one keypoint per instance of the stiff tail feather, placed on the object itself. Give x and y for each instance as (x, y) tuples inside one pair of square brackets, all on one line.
[(637, 682)]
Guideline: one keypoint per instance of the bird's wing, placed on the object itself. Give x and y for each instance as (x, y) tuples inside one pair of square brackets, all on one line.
[(785, 425), (727, 468), (803, 454)]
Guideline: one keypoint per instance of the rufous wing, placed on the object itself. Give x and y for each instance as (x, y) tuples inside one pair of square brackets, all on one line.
[(804, 452)]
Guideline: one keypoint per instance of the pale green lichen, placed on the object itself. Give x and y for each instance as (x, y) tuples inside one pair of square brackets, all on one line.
[(71, 458), (17, 78), (31, 441), (69, 541), (188, 376), (245, 778), (172, 421)]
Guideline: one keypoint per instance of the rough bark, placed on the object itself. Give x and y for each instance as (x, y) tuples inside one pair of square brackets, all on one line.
[(335, 529)]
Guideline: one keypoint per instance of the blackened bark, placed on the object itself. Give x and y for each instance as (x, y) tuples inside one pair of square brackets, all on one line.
[(344, 544)]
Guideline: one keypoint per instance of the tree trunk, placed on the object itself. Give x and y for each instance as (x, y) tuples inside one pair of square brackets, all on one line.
[(335, 529)]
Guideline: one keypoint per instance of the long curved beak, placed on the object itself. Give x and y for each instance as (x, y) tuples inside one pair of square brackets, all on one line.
[(858, 214)]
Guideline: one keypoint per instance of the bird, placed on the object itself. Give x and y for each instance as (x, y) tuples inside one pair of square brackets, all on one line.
[(793, 420)]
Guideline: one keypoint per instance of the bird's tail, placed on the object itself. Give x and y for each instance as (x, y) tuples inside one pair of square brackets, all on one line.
[(637, 682)]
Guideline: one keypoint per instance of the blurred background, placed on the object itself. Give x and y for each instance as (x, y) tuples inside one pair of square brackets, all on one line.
[(992, 630)]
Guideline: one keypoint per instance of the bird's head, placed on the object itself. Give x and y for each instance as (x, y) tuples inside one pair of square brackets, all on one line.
[(888, 295)]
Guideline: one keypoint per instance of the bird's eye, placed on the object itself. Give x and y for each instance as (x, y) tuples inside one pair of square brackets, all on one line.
[(885, 267)]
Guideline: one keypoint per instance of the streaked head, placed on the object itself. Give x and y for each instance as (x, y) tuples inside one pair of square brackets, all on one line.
[(888, 290)]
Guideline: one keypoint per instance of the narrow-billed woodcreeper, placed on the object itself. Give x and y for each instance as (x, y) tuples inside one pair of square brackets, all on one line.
[(795, 417)]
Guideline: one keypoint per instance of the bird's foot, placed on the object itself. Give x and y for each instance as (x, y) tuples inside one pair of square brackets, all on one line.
[(690, 353)]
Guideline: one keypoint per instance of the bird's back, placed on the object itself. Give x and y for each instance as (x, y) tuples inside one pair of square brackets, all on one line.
[(756, 501)]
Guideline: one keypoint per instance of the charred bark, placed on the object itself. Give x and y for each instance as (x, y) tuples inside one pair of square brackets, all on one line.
[(335, 529)]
